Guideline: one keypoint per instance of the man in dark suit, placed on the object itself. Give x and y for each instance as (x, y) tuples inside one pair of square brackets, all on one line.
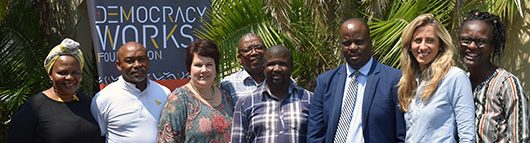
[(357, 101)]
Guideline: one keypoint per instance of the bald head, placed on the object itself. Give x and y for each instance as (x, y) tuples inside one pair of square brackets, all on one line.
[(131, 46), (354, 24), (354, 38), (278, 67), (278, 51), (133, 63)]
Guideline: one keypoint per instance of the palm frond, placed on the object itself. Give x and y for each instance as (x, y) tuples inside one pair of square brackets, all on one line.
[(26, 36), (232, 19), (310, 27), (20, 77), (279, 10), (377, 8), (386, 33), (507, 10)]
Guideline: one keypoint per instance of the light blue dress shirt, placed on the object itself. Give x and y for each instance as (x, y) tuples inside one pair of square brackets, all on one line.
[(447, 117), (355, 131)]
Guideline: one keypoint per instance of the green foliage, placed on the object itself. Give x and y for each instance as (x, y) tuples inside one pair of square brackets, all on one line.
[(306, 27), (312, 38), (3, 6), (506, 9), (232, 19), (309, 28), (29, 29), (27, 33), (386, 33), (21, 51)]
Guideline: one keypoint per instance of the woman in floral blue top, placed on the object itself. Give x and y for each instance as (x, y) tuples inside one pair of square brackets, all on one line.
[(198, 111)]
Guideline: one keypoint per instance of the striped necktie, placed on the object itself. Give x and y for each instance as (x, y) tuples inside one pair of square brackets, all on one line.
[(348, 104)]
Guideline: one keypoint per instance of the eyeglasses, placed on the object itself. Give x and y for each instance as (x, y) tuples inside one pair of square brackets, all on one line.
[(248, 49), (478, 42)]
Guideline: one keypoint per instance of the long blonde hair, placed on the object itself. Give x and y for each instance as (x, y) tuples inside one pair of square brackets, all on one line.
[(409, 66)]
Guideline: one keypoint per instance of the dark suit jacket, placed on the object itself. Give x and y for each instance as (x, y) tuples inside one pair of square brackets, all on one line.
[(382, 120)]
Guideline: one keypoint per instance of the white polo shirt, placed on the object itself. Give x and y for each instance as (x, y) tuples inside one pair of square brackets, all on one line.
[(127, 115)]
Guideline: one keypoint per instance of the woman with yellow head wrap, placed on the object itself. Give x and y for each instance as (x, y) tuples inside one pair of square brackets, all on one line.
[(67, 47), (60, 113)]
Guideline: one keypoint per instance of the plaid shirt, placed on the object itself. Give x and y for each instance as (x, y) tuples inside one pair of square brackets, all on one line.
[(266, 119), (502, 113), (239, 84)]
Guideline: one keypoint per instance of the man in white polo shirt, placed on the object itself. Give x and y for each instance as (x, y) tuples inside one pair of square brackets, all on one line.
[(128, 110)]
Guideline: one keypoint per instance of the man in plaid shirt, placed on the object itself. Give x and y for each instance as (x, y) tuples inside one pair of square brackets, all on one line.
[(277, 111), (250, 55)]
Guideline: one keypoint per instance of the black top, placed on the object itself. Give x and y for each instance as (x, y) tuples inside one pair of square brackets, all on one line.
[(43, 120)]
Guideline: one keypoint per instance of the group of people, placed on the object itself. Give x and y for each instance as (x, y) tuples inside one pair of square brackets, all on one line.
[(429, 100)]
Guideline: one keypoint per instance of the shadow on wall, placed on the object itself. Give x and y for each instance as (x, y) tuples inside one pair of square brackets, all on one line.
[(516, 56)]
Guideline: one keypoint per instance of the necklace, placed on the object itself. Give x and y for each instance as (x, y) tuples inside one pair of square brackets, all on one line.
[(59, 99), (199, 92), (74, 98)]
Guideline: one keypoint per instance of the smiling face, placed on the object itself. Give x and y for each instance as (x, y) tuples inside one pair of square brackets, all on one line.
[(133, 63), (425, 45), (475, 45), (250, 54), (355, 43), (277, 68), (202, 71), (66, 75)]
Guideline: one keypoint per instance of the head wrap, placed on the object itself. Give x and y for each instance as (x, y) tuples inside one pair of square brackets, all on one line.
[(67, 47)]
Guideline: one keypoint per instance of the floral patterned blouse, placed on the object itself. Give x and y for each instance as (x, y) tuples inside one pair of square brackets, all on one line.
[(186, 119)]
